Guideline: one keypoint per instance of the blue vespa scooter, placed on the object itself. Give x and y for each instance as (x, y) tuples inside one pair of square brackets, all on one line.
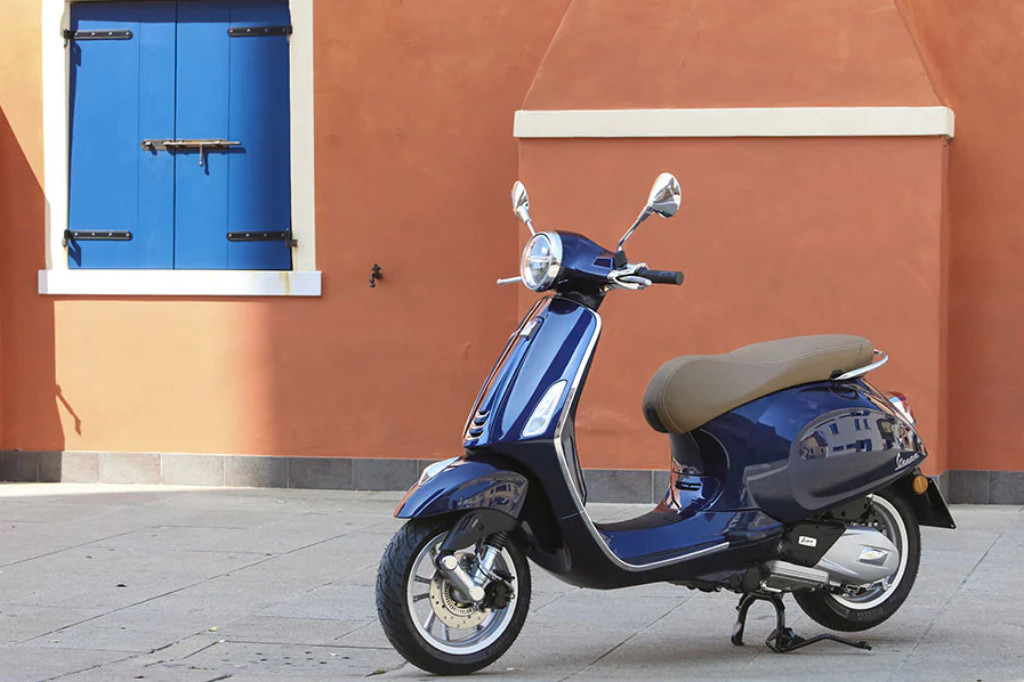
[(790, 473)]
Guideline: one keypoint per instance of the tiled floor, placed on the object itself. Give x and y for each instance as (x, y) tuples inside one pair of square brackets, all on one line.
[(101, 582)]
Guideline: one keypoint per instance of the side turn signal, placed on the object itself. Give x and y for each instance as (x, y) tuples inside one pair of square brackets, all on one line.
[(920, 484)]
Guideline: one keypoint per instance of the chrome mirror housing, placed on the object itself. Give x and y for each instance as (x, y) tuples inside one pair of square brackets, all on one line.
[(521, 204), (664, 200), (665, 196)]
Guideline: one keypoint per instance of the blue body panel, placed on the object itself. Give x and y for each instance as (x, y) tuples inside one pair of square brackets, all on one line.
[(463, 485), (121, 92), (553, 351), (180, 76), (776, 460), (808, 448)]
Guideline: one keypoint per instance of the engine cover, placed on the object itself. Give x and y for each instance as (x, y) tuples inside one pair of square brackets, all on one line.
[(861, 556)]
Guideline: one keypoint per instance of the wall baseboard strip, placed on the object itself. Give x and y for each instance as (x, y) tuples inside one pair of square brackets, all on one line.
[(342, 473)]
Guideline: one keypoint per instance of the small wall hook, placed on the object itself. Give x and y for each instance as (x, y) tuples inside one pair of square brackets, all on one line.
[(375, 275)]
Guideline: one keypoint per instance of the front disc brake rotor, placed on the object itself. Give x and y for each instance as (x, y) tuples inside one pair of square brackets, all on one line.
[(448, 609)]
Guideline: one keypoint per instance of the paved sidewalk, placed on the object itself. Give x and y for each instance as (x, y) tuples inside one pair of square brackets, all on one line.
[(195, 585)]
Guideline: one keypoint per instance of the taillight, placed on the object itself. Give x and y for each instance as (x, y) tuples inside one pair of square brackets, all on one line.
[(902, 405)]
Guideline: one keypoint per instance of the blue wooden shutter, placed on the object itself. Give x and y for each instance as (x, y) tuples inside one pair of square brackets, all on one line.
[(234, 88), (121, 92), (180, 75)]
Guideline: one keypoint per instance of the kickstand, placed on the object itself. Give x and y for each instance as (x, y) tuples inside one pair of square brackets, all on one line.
[(782, 639)]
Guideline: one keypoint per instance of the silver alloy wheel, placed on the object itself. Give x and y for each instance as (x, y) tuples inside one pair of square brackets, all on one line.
[(424, 580), (886, 518)]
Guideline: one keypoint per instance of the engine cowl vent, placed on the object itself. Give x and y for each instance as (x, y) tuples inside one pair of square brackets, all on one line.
[(477, 424)]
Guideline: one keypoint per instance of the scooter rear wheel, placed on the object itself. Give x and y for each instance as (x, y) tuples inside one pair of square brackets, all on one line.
[(892, 515), (421, 615)]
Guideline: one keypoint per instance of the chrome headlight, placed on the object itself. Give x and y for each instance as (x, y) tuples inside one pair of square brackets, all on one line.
[(542, 261)]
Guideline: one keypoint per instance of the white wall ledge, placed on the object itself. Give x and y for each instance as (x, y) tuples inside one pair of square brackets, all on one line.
[(736, 122), (179, 283)]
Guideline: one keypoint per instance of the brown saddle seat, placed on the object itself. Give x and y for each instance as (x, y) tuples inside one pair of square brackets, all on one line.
[(693, 389)]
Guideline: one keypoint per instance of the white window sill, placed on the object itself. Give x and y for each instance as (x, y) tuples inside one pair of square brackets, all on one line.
[(179, 283)]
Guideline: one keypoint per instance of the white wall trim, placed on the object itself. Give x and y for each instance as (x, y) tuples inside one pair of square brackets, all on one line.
[(736, 122), (56, 16), (178, 283)]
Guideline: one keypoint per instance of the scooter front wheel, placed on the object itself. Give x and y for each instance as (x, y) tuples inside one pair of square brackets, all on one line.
[(423, 616)]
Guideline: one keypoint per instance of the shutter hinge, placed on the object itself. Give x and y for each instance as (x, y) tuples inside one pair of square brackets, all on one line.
[(70, 35), (96, 236), (258, 31), (276, 236)]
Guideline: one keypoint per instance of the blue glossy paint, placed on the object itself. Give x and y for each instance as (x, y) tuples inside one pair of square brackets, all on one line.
[(805, 449), (773, 461), (553, 352), (121, 92), (463, 485), (583, 262), (181, 76)]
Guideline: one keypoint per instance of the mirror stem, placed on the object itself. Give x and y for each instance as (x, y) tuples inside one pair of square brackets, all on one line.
[(629, 233)]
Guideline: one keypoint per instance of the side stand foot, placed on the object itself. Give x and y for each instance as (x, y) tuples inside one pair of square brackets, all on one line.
[(782, 639)]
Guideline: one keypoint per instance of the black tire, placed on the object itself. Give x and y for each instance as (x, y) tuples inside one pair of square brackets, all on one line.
[(395, 612), (846, 614)]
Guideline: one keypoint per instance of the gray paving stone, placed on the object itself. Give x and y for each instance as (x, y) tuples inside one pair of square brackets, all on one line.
[(123, 467), (256, 472), (244, 659), (200, 470), (50, 467), (969, 487), (1006, 487), (19, 466), (661, 483), (280, 573), (320, 473), (31, 664), (80, 467), (384, 474), (611, 485)]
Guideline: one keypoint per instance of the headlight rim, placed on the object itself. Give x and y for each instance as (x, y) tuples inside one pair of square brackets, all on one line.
[(554, 268)]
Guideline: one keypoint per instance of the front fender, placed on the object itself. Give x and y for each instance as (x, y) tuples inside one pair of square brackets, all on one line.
[(463, 485)]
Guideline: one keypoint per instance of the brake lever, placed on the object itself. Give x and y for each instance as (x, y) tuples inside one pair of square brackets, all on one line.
[(510, 280), (626, 277), (639, 282)]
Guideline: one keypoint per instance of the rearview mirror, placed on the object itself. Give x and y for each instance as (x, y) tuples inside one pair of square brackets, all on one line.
[(521, 204), (665, 196), (664, 200)]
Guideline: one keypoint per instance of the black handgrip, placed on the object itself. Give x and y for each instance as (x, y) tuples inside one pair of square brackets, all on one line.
[(661, 276)]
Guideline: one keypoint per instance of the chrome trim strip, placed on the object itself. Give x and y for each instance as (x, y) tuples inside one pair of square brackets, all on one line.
[(861, 371), (573, 390)]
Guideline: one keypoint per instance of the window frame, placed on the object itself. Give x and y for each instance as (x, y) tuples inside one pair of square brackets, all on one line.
[(58, 279)]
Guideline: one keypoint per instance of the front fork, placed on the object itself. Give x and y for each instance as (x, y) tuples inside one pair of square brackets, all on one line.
[(474, 527)]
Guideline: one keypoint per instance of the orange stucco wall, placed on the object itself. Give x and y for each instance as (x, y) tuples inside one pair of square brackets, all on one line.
[(27, 380), (610, 54), (776, 237), (899, 239), (414, 160), (976, 57)]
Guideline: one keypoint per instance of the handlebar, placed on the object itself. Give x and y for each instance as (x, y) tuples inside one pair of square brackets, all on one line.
[(661, 276)]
